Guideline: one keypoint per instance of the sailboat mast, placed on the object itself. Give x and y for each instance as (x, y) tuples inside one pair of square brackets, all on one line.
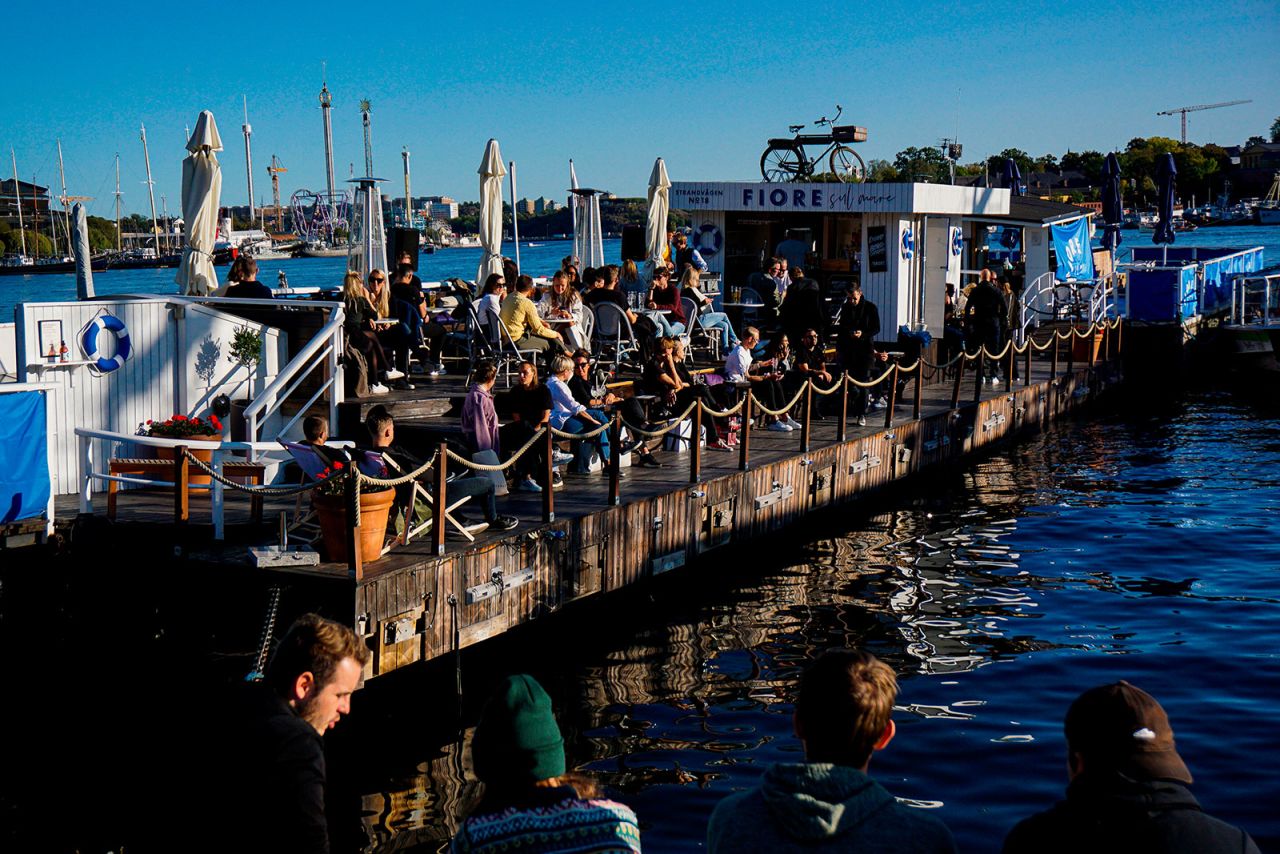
[(66, 210), (151, 192), (118, 195), (248, 163), (17, 194), (35, 212), (168, 226)]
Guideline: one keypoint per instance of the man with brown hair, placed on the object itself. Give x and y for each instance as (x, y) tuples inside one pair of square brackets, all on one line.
[(828, 803), (278, 768), (1128, 789)]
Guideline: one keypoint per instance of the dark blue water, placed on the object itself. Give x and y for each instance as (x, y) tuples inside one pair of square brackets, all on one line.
[(1139, 545)]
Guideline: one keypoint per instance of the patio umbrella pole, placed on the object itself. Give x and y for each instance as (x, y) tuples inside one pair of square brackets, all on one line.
[(515, 217)]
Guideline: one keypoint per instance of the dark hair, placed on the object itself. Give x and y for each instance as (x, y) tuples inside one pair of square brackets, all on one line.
[(403, 270), (313, 644), (845, 702), (592, 277), (581, 353), (491, 282), (377, 420), (524, 284), (314, 426), (484, 372), (242, 269)]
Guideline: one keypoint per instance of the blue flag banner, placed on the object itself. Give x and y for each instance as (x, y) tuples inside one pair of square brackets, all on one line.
[(1071, 244), (24, 456)]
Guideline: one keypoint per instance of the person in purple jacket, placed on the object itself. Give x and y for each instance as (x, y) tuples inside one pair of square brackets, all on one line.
[(479, 418)]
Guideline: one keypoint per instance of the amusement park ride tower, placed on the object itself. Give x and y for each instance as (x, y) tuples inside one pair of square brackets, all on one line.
[(368, 248), (326, 103)]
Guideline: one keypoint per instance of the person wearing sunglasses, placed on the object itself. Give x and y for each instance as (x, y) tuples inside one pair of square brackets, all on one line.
[(581, 387)]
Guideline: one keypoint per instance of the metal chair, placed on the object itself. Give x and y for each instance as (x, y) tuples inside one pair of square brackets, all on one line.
[(505, 351), (700, 337), (615, 339)]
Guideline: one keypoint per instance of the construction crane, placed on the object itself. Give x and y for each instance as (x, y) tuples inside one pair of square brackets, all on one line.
[(1197, 108), (274, 171)]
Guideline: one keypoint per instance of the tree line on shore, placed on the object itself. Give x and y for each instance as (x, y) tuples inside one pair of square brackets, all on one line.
[(1201, 168), (102, 236)]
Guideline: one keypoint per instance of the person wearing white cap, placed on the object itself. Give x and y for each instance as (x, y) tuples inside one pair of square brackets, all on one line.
[(1128, 787)]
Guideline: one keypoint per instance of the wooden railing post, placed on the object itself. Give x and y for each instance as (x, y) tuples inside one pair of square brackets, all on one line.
[(1011, 367), (548, 500), (978, 377), (804, 425), (918, 403), (615, 459), (439, 527), (181, 495), (695, 446), (1026, 363), (1057, 345), (1071, 348), (892, 399), (1106, 341), (843, 424), (351, 497), (744, 451), (1119, 336), (955, 390)]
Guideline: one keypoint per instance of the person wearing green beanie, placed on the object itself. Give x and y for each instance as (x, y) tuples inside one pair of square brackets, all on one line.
[(530, 804)]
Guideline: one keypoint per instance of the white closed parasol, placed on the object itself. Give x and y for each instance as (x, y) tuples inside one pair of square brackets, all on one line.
[(201, 189), (492, 171)]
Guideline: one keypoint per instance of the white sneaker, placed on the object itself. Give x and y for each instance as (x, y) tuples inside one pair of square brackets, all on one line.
[(437, 370), (793, 424), (780, 427), (393, 374), (559, 458), (378, 388), (862, 421)]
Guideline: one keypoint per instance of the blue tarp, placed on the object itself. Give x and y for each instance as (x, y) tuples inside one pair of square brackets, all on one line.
[(1215, 265), (24, 456), (1075, 255)]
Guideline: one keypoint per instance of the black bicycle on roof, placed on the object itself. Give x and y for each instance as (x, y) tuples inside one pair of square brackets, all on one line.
[(785, 159)]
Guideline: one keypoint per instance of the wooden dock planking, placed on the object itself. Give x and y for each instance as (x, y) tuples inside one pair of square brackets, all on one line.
[(412, 604)]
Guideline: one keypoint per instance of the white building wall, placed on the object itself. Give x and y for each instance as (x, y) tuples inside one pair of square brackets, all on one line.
[(9, 353), (170, 351)]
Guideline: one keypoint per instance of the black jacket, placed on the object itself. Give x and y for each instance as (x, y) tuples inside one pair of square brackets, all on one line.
[(1107, 811), (273, 777), (864, 317), (986, 304)]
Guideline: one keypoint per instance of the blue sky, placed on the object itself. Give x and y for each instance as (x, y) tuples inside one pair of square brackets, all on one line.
[(702, 85)]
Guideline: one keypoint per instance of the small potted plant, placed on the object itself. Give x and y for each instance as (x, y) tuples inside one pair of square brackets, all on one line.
[(184, 427), (329, 500), (245, 351)]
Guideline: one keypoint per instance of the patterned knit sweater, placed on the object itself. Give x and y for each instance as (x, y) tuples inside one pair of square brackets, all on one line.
[(558, 823)]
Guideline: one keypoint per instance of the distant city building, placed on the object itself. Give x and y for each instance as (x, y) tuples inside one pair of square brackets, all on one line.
[(443, 211), (34, 198), (527, 207), (550, 206)]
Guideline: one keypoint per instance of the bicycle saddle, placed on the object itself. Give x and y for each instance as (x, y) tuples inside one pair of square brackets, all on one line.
[(795, 128)]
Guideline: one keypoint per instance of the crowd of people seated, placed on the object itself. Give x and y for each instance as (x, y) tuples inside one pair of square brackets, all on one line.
[(560, 378)]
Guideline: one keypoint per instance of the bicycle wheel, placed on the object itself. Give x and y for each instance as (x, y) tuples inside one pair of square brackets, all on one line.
[(782, 163), (847, 165)]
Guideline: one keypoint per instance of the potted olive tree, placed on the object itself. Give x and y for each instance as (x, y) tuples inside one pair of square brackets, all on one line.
[(245, 351)]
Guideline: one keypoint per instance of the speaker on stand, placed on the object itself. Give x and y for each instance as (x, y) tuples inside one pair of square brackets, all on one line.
[(633, 248), (402, 240)]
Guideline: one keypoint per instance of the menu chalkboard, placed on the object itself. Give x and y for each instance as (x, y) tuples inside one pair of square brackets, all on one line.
[(877, 249)]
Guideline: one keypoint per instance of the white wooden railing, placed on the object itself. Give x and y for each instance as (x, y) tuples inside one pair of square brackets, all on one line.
[(325, 348)]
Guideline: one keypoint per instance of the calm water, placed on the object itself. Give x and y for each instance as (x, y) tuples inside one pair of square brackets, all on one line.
[(1138, 545)]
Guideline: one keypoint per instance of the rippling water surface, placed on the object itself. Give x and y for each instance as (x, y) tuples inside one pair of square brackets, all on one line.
[(1140, 546)]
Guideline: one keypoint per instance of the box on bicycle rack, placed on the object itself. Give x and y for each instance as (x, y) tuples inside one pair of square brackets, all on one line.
[(848, 133)]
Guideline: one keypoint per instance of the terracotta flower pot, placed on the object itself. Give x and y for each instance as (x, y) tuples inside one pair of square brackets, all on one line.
[(375, 507), (1086, 349), (194, 475)]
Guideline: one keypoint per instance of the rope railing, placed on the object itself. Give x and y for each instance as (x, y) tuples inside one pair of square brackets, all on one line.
[(785, 408), (245, 487), (591, 434), (474, 466), (673, 424), (390, 482)]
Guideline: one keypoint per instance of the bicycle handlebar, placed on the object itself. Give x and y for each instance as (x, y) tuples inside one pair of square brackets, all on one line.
[(826, 121)]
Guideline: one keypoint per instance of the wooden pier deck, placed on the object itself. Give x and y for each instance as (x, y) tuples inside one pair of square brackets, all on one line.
[(414, 605)]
